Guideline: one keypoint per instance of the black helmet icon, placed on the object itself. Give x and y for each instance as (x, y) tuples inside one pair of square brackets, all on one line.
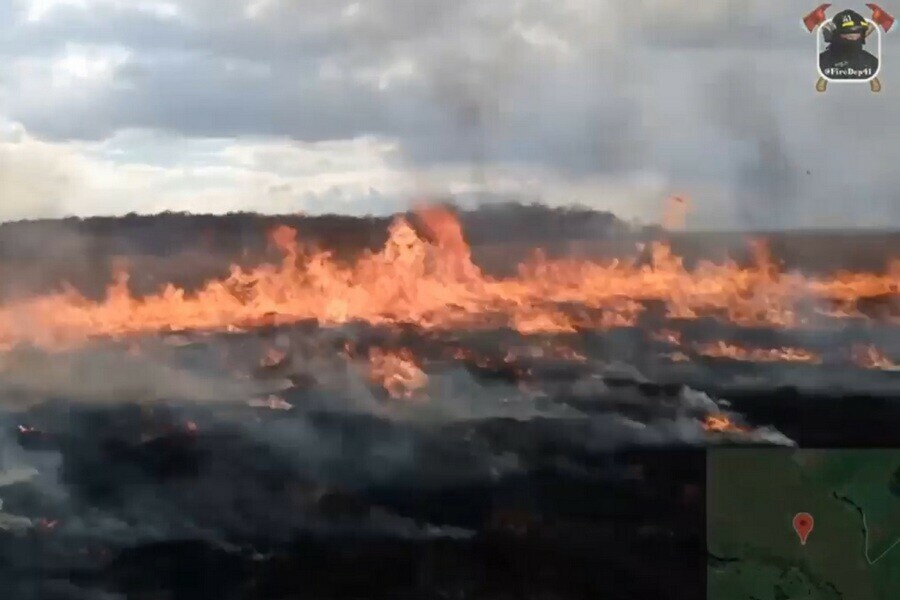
[(849, 21)]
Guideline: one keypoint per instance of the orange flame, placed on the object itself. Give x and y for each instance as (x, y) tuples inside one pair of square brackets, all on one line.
[(722, 349), (668, 336), (870, 357), (434, 284), (47, 525), (272, 358), (721, 423), (396, 372)]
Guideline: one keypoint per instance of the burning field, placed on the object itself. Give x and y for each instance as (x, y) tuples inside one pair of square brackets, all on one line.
[(409, 423)]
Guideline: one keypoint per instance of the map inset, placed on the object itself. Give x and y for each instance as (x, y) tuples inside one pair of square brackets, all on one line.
[(845, 503)]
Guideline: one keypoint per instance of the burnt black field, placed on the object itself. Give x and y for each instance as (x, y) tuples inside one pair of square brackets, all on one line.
[(151, 474)]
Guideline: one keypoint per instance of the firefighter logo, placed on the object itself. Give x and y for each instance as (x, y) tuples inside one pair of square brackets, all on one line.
[(848, 45)]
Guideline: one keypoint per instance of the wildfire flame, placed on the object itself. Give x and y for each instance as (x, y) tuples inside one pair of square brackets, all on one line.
[(720, 423), (433, 283), (667, 336), (396, 372), (870, 357), (722, 349), (272, 358)]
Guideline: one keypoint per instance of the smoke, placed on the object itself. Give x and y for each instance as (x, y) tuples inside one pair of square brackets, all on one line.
[(767, 177), (161, 446), (105, 376)]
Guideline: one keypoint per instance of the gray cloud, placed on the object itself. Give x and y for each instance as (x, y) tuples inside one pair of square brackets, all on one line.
[(716, 99)]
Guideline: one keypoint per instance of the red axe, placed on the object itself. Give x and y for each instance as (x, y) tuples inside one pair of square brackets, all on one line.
[(880, 16), (815, 18)]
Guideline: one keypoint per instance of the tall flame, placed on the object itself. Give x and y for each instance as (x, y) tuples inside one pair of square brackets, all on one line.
[(434, 283)]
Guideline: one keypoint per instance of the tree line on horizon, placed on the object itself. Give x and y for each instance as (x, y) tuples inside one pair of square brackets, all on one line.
[(172, 232)]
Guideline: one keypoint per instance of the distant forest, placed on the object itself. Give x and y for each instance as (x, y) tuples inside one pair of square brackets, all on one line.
[(172, 233)]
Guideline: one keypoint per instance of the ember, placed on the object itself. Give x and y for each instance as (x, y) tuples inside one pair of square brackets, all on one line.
[(724, 350), (870, 357), (721, 424)]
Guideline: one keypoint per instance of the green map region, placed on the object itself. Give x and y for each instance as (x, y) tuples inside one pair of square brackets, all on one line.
[(853, 549)]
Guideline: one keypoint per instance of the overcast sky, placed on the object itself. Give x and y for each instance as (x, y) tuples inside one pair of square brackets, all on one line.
[(114, 106)]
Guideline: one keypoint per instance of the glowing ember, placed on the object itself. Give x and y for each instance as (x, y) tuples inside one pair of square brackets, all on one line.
[(272, 402), (272, 358), (396, 372), (870, 357), (721, 349), (720, 423), (668, 336), (434, 284)]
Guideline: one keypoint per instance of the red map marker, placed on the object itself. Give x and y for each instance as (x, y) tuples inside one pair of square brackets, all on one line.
[(803, 524)]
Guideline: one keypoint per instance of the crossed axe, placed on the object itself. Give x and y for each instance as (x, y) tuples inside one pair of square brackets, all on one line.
[(817, 17)]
